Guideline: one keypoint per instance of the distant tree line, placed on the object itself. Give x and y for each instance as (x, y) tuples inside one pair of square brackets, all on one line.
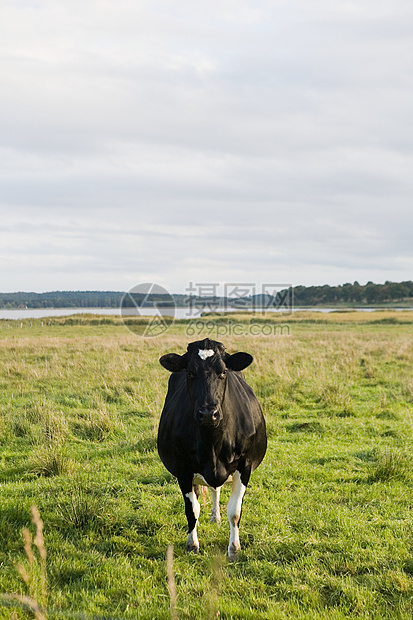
[(352, 294), (355, 293), (62, 299)]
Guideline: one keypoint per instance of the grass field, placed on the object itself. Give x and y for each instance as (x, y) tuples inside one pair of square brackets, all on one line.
[(327, 529)]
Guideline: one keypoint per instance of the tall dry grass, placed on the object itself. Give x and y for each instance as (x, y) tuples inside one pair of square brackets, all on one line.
[(33, 572)]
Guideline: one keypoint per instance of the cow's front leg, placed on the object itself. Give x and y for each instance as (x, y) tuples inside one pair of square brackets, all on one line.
[(192, 510), (234, 509)]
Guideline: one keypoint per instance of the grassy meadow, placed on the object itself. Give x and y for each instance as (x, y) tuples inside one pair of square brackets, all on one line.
[(326, 530)]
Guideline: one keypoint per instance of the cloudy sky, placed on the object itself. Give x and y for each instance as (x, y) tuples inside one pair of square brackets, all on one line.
[(205, 141)]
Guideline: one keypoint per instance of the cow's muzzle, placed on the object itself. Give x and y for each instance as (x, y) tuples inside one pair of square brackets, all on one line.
[(209, 416)]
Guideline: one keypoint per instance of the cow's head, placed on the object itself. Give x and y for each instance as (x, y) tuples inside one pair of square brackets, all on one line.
[(206, 364)]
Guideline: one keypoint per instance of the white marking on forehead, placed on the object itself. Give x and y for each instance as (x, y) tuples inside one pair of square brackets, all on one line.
[(204, 353)]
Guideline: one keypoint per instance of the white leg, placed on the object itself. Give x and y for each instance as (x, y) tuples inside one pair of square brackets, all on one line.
[(215, 514), (193, 542), (234, 514)]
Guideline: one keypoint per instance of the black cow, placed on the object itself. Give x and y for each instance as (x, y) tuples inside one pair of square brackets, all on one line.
[(211, 428)]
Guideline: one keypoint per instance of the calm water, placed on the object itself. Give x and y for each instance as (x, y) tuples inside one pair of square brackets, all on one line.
[(180, 313)]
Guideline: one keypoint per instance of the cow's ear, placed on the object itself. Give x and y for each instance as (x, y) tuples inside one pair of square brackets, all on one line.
[(238, 361), (173, 362)]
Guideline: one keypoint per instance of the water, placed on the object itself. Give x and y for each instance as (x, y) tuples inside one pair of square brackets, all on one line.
[(180, 313)]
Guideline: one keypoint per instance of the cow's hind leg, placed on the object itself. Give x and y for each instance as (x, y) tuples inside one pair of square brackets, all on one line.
[(192, 510), (215, 513), (234, 514)]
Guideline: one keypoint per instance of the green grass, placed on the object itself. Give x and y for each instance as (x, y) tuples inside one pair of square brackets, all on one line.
[(327, 528)]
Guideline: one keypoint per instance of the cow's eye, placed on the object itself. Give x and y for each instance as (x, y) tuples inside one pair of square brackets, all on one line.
[(222, 375), (190, 374)]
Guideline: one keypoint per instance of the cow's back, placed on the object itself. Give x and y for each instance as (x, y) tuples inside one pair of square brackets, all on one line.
[(248, 421)]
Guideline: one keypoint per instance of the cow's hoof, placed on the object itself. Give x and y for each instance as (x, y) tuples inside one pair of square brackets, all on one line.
[(233, 552), (215, 518), (192, 549)]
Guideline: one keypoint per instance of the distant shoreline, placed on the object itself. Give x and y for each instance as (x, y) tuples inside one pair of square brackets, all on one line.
[(16, 314)]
